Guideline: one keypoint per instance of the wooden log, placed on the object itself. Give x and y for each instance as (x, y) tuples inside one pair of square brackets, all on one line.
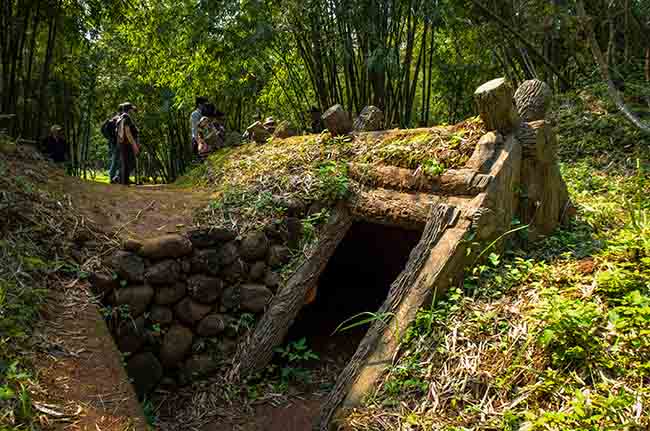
[(533, 98), (405, 210), (495, 105), (390, 177), (258, 132), (461, 182), (256, 352), (370, 119), (434, 265), (485, 153), (544, 196), (466, 182), (440, 218)]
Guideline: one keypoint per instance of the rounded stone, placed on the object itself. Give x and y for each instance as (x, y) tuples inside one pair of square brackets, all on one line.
[(166, 246), (190, 312), (228, 253), (254, 297), (209, 237), (166, 295), (103, 284), (137, 298), (146, 371), (211, 325), (204, 289), (129, 266), (176, 344), (254, 246), (161, 315), (278, 255), (165, 272), (258, 269)]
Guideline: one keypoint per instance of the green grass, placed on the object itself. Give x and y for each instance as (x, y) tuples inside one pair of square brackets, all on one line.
[(552, 338)]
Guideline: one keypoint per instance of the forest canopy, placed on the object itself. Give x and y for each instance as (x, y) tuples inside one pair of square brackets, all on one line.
[(71, 62)]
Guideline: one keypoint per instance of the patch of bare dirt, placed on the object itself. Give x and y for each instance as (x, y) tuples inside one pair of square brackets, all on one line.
[(296, 415), (132, 211), (82, 382)]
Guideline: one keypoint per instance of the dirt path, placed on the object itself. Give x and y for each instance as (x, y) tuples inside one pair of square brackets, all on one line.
[(81, 373), (296, 415), (136, 211), (82, 383)]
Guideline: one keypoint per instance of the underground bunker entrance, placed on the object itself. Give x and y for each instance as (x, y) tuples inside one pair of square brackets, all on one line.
[(356, 280)]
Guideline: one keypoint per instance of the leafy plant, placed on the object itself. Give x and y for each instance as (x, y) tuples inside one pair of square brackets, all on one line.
[(310, 225), (150, 412), (333, 182), (433, 168), (372, 317), (13, 391), (294, 355), (572, 331), (246, 321)]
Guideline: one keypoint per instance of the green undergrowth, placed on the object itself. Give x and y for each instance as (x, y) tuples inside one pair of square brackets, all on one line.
[(34, 239), (556, 337), (254, 183)]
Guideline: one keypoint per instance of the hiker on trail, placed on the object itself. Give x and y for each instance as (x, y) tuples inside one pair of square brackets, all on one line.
[(195, 117), (55, 145), (127, 141), (109, 130), (207, 137), (269, 124)]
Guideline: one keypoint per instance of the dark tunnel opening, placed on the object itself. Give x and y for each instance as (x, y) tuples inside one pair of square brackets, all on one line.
[(357, 279)]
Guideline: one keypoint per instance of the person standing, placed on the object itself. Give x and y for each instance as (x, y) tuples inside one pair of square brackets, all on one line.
[(128, 142), (109, 130), (55, 145), (195, 117)]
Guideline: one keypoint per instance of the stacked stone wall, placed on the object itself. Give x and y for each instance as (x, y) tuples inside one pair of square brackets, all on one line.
[(178, 305)]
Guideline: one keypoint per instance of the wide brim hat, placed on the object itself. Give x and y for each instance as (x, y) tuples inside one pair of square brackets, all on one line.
[(127, 106)]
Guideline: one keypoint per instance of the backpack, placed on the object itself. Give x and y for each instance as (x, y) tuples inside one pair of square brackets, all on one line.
[(109, 129)]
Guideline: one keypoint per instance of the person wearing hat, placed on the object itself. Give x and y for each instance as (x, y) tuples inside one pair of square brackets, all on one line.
[(128, 142), (195, 117), (269, 124), (55, 145)]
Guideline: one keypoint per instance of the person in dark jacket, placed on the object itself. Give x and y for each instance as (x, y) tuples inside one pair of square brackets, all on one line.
[(109, 130), (195, 117), (55, 145), (127, 141)]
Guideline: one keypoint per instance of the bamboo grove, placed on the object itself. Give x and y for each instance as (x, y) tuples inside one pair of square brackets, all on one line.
[(71, 62)]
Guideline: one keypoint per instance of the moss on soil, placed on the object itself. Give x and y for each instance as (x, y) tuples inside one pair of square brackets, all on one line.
[(252, 181)]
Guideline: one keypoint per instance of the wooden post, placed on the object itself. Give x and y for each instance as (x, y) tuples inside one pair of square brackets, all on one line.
[(533, 98), (495, 105), (256, 352)]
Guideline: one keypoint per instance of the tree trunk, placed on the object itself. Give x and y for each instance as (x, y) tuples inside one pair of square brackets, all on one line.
[(604, 71), (49, 51)]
